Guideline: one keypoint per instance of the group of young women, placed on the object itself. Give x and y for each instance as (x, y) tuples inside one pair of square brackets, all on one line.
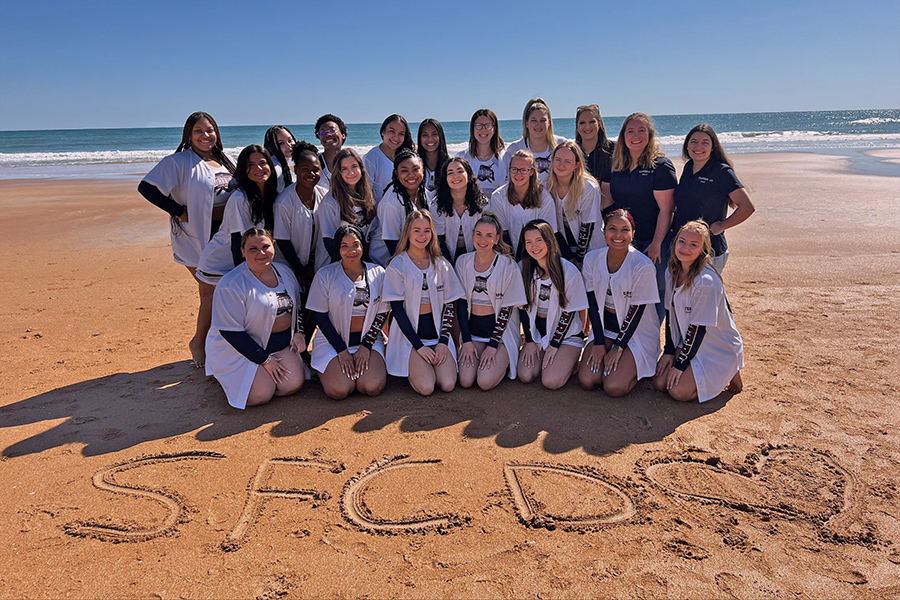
[(499, 261)]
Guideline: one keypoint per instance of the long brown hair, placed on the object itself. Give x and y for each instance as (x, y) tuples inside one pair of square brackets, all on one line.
[(602, 139), (675, 268), (717, 153), (496, 142), (621, 159), (218, 150), (533, 197), (348, 198), (433, 248), (554, 263)]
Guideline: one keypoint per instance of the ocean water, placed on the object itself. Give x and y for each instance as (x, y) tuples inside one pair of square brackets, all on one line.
[(130, 153)]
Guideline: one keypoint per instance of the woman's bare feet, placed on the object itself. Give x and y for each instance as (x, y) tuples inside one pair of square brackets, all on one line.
[(198, 353), (736, 384)]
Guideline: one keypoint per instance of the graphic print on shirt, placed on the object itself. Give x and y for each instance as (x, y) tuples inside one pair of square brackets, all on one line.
[(542, 163), (486, 173), (361, 296), (480, 284), (285, 304), (424, 283), (225, 182), (544, 294)]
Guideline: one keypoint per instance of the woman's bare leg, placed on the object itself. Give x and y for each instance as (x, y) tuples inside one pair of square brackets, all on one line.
[(558, 372), (197, 344)]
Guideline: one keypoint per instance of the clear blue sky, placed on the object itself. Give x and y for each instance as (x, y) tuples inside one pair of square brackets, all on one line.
[(86, 63)]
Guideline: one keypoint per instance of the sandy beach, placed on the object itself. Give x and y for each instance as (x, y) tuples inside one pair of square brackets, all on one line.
[(125, 474)]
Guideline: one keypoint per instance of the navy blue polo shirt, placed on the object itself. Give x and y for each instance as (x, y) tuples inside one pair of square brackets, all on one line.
[(633, 191), (597, 161), (704, 195)]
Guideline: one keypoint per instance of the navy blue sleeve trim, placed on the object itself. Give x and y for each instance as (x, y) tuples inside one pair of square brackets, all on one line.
[(327, 328), (243, 343), (157, 198), (629, 326), (689, 346), (526, 326), (565, 320), (405, 326), (596, 321), (290, 255), (462, 309), (236, 256)]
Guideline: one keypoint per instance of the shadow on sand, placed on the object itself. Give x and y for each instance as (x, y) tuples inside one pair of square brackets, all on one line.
[(120, 411)]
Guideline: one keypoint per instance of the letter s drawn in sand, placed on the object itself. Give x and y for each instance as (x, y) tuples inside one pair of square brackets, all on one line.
[(355, 510), (106, 480)]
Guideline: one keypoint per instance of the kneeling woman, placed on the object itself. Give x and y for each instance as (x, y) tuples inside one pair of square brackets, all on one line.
[(423, 289), (626, 331), (253, 345), (554, 293), (345, 300), (488, 315), (704, 353)]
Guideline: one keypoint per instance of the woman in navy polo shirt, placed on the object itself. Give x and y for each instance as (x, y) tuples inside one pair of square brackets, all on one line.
[(708, 186), (641, 180)]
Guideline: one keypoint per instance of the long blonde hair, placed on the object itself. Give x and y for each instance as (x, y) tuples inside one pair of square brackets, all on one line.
[(675, 268), (433, 248), (621, 159), (533, 105), (579, 177)]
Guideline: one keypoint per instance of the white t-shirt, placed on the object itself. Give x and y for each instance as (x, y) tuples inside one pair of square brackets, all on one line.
[(380, 169), (541, 159), (491, 173), (514, 218)]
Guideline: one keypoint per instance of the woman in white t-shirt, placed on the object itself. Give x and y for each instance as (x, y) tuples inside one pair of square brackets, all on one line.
[(349, 202), (346, 302), (256, 337), (576, 195), (431, 145), (554, 293), (459, 204), (485, 150), (704, 353), (395, 136), (251, 205), (331, 131), (537, 136), (620, 284), (407, 193), (193, 186), (522, 200), (279, 141), (422, 288)]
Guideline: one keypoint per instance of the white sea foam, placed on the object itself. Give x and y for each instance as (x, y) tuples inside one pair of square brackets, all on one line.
[(875, 121), (133, 162)]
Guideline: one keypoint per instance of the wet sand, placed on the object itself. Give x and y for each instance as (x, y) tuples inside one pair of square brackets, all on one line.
[(124, 473)]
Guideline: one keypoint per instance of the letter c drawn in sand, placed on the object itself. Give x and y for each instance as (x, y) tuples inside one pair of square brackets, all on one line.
[(610, 504), (106, 480), (355, 510)]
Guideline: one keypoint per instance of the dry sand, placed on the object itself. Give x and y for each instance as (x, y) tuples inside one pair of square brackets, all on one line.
[(125, 474)]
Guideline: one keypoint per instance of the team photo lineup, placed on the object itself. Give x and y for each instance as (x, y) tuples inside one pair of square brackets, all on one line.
[(537, 260)]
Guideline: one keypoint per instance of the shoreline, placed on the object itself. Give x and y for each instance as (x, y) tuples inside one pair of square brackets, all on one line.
[(864, 161)]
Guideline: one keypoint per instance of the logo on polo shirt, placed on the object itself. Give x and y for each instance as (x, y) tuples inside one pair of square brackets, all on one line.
[(704, 180)]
